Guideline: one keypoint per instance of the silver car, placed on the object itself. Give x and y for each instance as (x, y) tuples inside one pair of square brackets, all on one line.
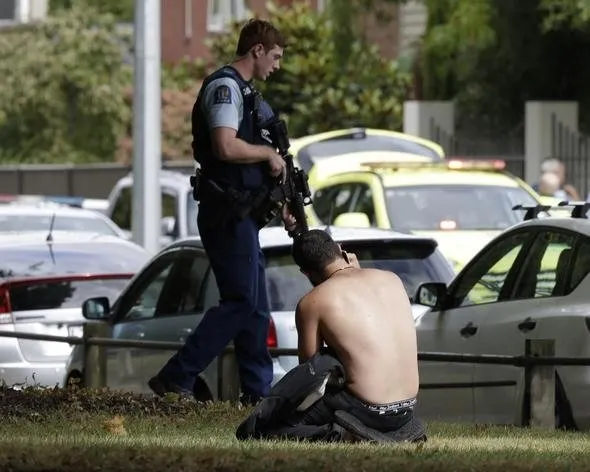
[(167, 299), (42, 286)]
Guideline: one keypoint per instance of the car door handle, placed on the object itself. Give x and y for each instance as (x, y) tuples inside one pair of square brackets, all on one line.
[(139, 334), (527, 325), (468, 330)]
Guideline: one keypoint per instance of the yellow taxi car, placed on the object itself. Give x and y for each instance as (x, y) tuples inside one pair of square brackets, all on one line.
[(344, 143), (463, 204)]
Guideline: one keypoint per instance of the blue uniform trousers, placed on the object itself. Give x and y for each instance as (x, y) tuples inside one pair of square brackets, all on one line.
[(242, 315)]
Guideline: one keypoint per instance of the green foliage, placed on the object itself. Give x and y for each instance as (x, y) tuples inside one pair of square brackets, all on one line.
[(491, 56), (313, 91), (566, 13), (62, 91), (122, 10)]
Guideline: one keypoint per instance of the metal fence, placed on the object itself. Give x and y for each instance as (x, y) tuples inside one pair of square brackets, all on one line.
[(510, 148), (538, 361), (573, 148), (90, 181)]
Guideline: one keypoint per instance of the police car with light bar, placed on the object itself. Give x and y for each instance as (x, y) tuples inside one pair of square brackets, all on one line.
[(461, 203)]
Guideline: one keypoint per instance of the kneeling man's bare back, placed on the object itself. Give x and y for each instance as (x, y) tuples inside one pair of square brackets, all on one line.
[(365, 316)]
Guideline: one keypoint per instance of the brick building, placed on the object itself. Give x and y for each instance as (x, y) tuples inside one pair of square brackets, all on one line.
[(186, 24)]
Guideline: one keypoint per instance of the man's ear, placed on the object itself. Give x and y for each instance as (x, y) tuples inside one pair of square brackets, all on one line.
[(257, 50)]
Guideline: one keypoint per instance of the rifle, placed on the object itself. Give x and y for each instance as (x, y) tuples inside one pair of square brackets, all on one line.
[(294, 190)]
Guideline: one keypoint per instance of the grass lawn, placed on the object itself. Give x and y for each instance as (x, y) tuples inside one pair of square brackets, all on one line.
[(88, 431)]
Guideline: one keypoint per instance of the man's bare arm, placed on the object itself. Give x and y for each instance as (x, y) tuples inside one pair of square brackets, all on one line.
[(228, 147), (308, 332)]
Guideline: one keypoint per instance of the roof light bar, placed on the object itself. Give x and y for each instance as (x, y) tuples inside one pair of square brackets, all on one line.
[(452, 164)]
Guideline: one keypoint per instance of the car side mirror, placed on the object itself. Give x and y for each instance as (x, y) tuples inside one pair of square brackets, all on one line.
[(432, 294), (353, 220), (97, 308), (167, 225)]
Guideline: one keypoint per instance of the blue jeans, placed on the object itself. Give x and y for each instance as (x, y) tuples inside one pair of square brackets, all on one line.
[(242, 315)]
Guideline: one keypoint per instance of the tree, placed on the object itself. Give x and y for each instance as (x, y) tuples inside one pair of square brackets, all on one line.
[(62, 88), (313, 91)]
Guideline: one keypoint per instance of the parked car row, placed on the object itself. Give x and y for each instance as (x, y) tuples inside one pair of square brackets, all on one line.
[(481, 281)]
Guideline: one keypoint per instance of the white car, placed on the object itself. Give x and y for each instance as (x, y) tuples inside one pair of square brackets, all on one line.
[(167, 299), (178, 211), (530, 282), (43, 283), (21, 217)]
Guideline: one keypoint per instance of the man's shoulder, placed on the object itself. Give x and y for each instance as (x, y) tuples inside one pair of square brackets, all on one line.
[(222, 90)]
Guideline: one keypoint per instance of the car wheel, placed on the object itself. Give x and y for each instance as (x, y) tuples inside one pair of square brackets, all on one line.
[(564, 418)]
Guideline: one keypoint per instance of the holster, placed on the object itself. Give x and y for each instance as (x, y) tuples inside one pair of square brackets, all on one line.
[(225, 204)]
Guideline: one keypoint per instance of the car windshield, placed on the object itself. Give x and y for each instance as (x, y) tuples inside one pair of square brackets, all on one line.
[(55, 259), (61, 223), (415, 262), (360, 142), (460, 207)]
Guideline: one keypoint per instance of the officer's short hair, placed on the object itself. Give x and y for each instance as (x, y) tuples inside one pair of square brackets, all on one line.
[(313, 250), (259, 31)]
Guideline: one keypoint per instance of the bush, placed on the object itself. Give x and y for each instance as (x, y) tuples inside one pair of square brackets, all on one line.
[(313, 91)]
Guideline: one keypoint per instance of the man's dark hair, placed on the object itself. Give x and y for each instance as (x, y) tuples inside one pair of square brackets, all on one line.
[(259, 31), (314, 250)]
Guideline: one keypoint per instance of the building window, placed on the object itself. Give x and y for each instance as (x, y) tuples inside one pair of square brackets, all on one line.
[(9, 11), (220, 13)]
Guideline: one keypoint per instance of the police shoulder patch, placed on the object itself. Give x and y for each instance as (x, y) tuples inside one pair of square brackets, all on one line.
[(222, 94)]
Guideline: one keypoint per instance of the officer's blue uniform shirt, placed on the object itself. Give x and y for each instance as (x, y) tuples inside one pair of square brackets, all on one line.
[(228, 101)]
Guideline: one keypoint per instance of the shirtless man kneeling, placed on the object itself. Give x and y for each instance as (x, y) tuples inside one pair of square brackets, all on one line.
[(365, 317)]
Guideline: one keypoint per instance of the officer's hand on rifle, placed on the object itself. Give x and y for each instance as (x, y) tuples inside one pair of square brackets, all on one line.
[(288, 219), (276, 163)]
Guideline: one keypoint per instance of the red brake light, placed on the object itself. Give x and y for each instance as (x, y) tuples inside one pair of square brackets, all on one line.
[(5, 308), (271, 339)]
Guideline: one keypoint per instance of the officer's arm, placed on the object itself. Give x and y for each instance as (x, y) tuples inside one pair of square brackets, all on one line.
[(224, 107), (308, 329)]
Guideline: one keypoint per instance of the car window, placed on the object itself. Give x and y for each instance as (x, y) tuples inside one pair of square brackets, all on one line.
[(122, 210), (142, 301), (63, 293), (581, 265), (359, 142), (460, 207), (189, 278), (121, 213), (548, 268), (365, 204), (60, 223), (334, 201), (485, 279), (415, 262), (87, 257), (192, 211)]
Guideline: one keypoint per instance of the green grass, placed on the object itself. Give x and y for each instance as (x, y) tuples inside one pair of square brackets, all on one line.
[(88, 431)]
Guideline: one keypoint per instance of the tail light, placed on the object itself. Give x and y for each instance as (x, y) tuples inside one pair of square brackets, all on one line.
[(271, 339), (5, 309)]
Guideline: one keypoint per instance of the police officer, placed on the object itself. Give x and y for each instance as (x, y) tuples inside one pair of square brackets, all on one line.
[(236, 160)]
